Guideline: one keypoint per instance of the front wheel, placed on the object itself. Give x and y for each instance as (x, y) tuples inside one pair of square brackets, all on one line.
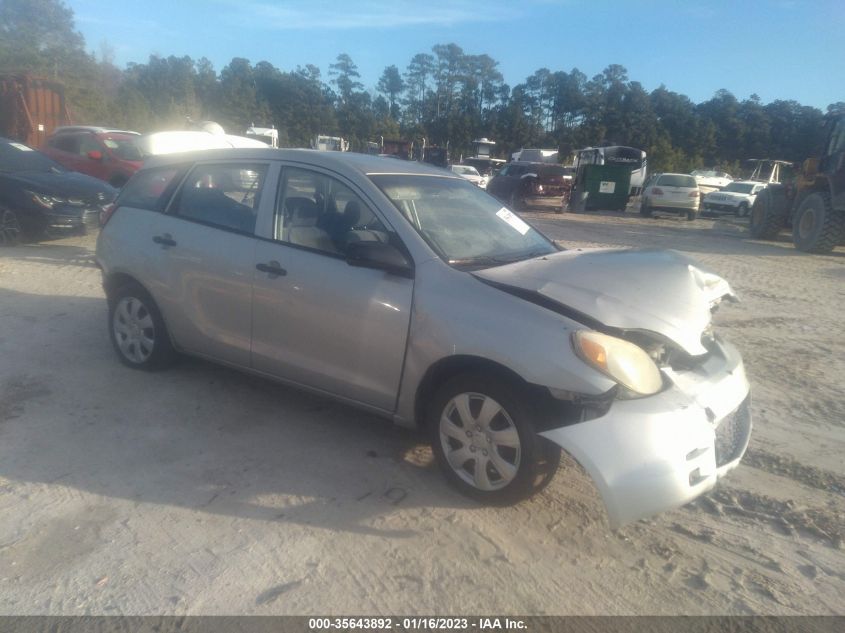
[(742, 210), (483, 436), (10, 227), (817, 227), (137, 330), (645, 210)]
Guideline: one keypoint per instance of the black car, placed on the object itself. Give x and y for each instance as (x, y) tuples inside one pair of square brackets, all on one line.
[(523, 183), (39, 197)]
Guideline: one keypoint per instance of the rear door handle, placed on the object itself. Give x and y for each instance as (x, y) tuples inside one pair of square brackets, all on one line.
[(164, 240), (273, 268)]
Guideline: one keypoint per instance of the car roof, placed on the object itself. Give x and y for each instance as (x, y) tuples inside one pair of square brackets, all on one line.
[(365, 164), (669, 173), (75, 129), (748, 182)]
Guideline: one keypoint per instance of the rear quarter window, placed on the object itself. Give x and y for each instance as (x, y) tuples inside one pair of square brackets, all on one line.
[(668, 180), (151, 188)]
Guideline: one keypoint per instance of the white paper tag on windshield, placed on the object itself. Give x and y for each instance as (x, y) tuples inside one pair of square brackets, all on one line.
[(607, 186), (23, 148), (514, 220)]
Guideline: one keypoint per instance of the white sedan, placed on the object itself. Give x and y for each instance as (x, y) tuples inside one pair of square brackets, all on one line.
[(671, 192), (470, 173)]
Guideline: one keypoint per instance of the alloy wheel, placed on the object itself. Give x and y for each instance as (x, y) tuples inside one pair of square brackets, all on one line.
[(134, 330), (480, 441)]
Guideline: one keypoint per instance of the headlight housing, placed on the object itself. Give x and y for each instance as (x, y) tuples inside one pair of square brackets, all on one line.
[(624, 362), (46, 201)]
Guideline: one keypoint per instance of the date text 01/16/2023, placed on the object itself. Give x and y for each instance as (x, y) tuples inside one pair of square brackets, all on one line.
[(417, 623)]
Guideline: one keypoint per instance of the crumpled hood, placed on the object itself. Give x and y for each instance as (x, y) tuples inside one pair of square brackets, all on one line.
[(658, 291)]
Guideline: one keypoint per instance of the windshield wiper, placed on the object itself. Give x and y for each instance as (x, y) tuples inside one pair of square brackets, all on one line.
[(481, 260)]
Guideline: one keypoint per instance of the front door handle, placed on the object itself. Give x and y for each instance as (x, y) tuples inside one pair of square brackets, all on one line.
[(273, 269), (164, 240)]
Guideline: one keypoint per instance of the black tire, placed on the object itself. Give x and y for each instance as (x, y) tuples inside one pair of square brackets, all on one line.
[(692, 215), (10, 227), (645, 210), (742, 210), (535, 459), (768, 214), (817, 227), (515, 201), (133, 310)]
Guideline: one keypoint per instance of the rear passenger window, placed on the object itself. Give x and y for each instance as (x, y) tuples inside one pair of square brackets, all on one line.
[(150, 188), (66, 143), (226, 195)]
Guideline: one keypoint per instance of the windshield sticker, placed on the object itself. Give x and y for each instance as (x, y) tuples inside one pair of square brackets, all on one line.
[(514, 220), (607, 186), (22, 148)]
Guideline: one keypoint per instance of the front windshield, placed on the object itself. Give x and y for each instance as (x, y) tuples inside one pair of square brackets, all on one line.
[(465, 226), (124, 147), (19, 157), (739, 188)]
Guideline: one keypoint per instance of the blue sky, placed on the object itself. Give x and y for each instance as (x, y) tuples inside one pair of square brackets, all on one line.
[(778, 49)]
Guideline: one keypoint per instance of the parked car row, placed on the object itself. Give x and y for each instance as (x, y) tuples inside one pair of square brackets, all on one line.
[(683, 193)]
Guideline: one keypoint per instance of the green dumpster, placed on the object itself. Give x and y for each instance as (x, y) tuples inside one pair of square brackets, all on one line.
[(607, 186)]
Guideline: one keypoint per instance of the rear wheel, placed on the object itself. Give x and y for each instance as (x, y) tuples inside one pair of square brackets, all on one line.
[(768, 214), (692, 215), (515, 201), (10, 227), (482, 433), (645, 210), (817, 228), (137, 330)]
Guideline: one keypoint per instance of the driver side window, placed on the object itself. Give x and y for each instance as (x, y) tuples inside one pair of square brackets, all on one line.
[(321, 213)]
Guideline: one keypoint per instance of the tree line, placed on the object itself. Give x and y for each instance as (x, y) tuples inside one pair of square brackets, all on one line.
[(447, 96)]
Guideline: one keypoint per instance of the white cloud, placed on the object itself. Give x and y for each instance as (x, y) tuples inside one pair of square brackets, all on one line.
[(366, 14)]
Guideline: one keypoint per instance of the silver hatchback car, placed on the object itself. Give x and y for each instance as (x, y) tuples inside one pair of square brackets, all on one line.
[(410, 292)]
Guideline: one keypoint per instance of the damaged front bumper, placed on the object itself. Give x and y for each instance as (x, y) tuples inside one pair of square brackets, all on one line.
[(660, 452)]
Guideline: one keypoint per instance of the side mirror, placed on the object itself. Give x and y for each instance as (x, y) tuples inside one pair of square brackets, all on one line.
[(95, 154), (379, 255)]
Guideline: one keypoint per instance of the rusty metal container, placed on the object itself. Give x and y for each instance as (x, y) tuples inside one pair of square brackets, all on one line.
[(31, 108)]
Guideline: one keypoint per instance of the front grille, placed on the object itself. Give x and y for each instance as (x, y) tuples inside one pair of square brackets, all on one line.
[(732, 433), (719, 207)]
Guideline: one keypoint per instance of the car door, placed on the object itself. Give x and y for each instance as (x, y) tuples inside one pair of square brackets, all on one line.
[(64, 149), (202, 259), (86, 164), (504, 182), (317, 320)]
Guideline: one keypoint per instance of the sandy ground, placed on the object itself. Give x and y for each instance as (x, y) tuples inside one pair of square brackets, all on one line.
[(204, 491)]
